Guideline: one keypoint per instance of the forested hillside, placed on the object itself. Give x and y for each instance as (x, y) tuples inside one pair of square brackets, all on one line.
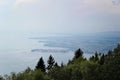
[(98, 67)]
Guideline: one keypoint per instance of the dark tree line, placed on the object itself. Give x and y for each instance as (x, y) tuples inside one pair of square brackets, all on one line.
[(41, 64), (97, 67)]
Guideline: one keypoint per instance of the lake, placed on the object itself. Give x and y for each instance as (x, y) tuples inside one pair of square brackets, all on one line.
[(19, 51)]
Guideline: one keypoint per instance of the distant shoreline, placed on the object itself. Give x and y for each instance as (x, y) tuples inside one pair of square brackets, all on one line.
[(51, 50)]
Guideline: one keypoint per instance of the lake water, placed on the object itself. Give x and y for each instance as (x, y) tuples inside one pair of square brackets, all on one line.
[(18, 51)]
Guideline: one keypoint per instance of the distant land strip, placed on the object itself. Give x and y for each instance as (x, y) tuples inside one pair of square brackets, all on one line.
[(51, 50)]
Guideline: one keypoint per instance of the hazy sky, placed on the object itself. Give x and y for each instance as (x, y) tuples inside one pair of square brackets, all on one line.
[(59, 16)]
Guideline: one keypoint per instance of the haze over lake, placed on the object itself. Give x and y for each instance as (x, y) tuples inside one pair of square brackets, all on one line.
[(16, 49), (30, 29)]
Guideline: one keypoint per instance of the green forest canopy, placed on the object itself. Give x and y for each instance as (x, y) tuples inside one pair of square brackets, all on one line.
[(97, 67)]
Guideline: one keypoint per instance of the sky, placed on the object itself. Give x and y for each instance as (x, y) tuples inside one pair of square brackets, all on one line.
[(59, 16)]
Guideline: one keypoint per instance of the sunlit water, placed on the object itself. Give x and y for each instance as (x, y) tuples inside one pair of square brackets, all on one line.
[(16, 50)]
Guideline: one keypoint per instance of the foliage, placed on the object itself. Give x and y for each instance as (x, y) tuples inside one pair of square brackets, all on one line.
[(51, 62), (41, 65), (78, 53), (27, 75), (97, 67)]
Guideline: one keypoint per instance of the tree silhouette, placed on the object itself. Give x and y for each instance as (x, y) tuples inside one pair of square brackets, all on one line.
[(102, 59), (50, 62), (78, 53), (56, 65), (41, 65), (96, 56), (62, 64), (117, 50)]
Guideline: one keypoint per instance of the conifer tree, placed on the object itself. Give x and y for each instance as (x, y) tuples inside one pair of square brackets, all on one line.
[(96, 56), (78, 53), (110, 53), (56, 65), (41, 65), (102, 59), (50, 62), (62, 64), (92, 58), (117, 50)]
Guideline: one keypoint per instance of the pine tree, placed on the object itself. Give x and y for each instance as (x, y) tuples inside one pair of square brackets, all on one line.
[(56, 65), (92, 58), (78, 53), (102, 59), (50, 62), (41, 65), (62, 64), (96, 56), (117, 50), (110, 53)]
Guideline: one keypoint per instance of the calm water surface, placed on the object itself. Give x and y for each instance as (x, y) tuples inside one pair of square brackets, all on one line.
[(16, 50)]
